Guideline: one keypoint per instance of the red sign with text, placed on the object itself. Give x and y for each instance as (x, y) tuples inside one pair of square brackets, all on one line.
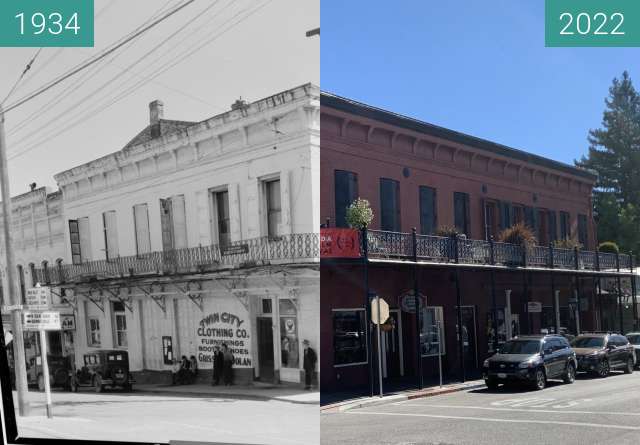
[(339, 243)]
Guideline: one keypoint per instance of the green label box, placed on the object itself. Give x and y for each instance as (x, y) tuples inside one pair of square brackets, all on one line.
[(46, 23), (592, 23)]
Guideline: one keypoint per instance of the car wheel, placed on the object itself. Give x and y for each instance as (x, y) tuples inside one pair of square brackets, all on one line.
[(540, 381), (570, 373), (603, 368), (629, 368), (97, 383), (491, 383), (40, 382)]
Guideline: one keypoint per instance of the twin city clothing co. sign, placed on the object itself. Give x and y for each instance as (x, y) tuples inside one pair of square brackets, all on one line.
[(228, 328)]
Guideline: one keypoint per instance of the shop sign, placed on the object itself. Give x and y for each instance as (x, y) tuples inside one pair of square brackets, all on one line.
[(224, 327), (38, 298), (41, 321), (68, 322), (238, 249), (339, 243), (534, 307), (408, 302)]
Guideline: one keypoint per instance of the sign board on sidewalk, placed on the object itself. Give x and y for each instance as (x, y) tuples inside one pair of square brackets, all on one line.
[(534, 307), (38, 298), (41, 321), (384, 310)]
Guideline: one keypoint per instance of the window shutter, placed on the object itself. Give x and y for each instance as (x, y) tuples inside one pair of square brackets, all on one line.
[(505, 215), (529, 219), (85, 239), (179, 222), (486, 231), (141, 222), (427, 210), (553, 230), (467, 216), (74, 234), (110, 234)]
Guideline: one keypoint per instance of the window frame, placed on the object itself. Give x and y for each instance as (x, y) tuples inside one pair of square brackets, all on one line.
[(266, 202), (352, 195), (396, 212), (434, 210), (90, 331), (366, 345)]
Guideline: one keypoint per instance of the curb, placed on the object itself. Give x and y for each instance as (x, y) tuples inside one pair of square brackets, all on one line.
[(252, 397), (373, 401)]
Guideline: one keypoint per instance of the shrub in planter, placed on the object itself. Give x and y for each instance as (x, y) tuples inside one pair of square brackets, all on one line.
[(608, 247), (359, 214), (447, 231), (567, 243), (518, 234)]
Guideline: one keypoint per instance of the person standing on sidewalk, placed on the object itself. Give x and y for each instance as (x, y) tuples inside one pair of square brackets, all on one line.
[(227, 365), (309, 363), (218, 365)]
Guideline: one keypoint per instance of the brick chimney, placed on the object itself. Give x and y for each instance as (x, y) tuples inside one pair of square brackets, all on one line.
[(156, 112)]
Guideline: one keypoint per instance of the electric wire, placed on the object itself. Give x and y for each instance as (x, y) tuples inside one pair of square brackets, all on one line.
[(24, 72)]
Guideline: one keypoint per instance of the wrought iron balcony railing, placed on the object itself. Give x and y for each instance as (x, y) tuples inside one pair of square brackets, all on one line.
[(394, 245), (295, 248)]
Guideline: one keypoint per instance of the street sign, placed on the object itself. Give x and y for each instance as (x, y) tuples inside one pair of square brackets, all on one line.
[(41, 321), (534, 307), (38, 298), (384, 310), (13, 307), (68, 322), (408, 302)]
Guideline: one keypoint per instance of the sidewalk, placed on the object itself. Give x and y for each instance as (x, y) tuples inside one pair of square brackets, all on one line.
[(400, 396), (258, 391)]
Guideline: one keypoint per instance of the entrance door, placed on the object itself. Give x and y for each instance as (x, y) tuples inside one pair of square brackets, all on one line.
[(265, 348), (469, 340), (392, 365)]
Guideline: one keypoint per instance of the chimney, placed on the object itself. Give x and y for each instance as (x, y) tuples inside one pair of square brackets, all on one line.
[(156, 112)]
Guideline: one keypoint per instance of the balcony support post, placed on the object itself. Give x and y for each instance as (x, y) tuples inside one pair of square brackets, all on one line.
[(621, 316), (456, 241), (367, 306), (494, 305), (416, 296), (556, 302), (633, 291)]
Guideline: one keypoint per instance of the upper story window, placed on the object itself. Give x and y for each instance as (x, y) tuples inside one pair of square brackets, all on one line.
[(565, 225), (346, 191), (491, 219), (389, 205), (93, 326), (80, 240), (109, 223), (221, 222), (542, 229), (428, 210), (273, 206), (119, 324), (461, 214), (173, 223), (583, 235), (518, 214), (141, 227)]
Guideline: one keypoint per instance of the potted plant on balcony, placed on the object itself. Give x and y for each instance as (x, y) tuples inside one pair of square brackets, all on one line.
[(446, 249), (569, 245), (519, 235), (359, 215)]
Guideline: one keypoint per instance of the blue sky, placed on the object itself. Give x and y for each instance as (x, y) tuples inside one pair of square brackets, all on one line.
[(476, 67)]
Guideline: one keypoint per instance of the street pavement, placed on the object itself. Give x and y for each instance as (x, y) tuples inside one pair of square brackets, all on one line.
[(590, 411), (148, 417)]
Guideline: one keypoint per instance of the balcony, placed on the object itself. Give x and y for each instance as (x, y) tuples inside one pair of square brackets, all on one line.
[(295, 248), (383, 245)]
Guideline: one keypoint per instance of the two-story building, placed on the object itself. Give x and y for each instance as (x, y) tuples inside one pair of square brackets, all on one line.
[(475, 290), (199, 234)]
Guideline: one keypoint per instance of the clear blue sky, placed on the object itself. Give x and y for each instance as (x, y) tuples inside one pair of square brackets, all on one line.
[(479, 67)]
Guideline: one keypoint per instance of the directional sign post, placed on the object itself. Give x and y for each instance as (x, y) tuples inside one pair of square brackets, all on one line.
[(38, 298), (379, 315)]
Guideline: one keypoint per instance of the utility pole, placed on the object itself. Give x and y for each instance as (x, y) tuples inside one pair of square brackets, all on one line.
[(16, 315)]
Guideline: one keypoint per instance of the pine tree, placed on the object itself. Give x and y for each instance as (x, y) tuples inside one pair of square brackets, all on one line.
[(614, 153)]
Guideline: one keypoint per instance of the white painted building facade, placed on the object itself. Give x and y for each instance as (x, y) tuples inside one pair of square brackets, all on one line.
[(197, 234)]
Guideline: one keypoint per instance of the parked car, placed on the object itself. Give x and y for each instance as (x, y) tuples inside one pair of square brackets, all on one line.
[(102, 369), (634, 339), (531, 359), (599, 353), (59, 367)]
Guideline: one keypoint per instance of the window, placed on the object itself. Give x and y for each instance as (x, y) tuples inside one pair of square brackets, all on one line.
[(461, 214), (110, 234), (565, 225), (429, 335), (94, 331), (530, 218), (222, 223), (274, 209), (45, 272), (518, 214), (119, 324), (266, 306), (289, 351), (553, 229), (346, 191), (349, 337), (542, 233), (491, 219), (173, 223), (428, 213), (74, 233), (34, 276), (389, 205), (141, 227), (583, 237)]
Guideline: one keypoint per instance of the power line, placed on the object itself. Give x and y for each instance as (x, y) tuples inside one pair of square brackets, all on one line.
[(96, 59), (27, 68)]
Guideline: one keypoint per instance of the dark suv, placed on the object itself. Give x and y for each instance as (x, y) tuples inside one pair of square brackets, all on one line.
[(599, 353), (531, 359)]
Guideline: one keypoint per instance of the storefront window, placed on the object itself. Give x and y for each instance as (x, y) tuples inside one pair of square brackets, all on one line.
[(289, 334), (349, 337), (429, 331)]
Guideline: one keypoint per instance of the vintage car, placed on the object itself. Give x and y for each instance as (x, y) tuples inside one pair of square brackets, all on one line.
[(102, 369), (59, 367)]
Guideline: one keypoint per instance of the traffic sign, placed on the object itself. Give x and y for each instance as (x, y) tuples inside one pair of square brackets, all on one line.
[(13, 307), (41, 321), (38, 298), (534, 307), (384, 310)]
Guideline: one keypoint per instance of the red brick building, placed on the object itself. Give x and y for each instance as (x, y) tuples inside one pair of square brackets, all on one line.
[(418, 175)]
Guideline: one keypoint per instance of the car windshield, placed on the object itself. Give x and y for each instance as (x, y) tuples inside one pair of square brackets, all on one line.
[(588, 342), (634, 339), (521, 347)]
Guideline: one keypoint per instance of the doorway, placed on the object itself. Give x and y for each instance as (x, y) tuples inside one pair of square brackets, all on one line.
[(469, 339), (392, 353), (265, 348)]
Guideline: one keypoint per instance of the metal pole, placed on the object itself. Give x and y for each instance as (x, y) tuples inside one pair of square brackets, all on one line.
[(633, 292), (16, 316), (439, 351), (556, 305), (417, 301), (45, 371), (459, 314), (619, 295), (379, 346), (367, 306), (494, 307)]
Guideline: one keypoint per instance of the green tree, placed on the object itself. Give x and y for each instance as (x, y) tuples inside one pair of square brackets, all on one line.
[(359, 214), (614, 153)]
